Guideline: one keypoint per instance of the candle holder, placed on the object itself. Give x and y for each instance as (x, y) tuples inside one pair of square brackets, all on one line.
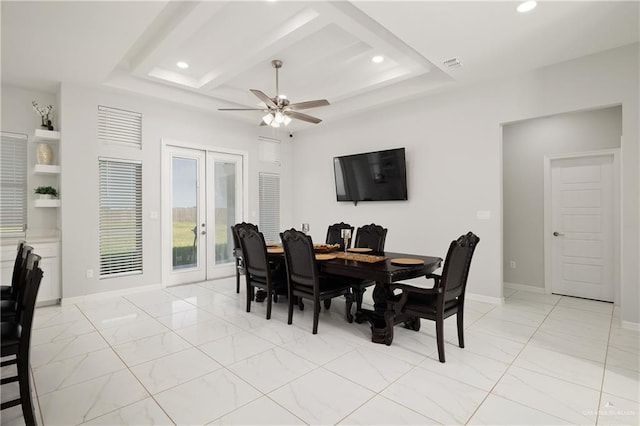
[(346, 236)]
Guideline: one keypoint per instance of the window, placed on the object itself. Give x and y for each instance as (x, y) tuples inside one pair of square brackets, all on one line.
[(120, 217), (119, 126), (269, 205), (13, 184)]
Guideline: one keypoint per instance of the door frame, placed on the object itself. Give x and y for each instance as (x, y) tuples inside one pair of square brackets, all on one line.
[(614, 153), (165, 199)]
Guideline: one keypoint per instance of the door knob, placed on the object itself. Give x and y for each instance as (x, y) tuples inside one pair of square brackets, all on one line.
[(558, 234), (203, 232)]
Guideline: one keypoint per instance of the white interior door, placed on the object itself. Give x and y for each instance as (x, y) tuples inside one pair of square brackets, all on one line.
[(582, 207)]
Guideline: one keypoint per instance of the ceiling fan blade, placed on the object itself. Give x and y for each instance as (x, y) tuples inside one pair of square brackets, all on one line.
[(264, 98), (303, 117), (308, 104), (241, 109)]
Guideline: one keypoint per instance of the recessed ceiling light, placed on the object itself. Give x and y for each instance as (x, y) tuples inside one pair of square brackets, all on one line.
[(182, 65), (527, 6), (378, 59)]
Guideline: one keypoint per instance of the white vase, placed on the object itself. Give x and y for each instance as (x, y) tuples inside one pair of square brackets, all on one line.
[(45, 154)]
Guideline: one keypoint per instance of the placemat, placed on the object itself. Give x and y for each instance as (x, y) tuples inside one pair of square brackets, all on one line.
[(406, 261), (326, 256), (360, 249), (369, 258)]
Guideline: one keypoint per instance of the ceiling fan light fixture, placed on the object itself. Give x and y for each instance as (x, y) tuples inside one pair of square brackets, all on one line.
[(275, 124), (527, 6), (278, 117), (267, 119), (287, 120)]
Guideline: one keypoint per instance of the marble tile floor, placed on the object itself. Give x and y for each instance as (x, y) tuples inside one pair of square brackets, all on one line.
[(191, 355)]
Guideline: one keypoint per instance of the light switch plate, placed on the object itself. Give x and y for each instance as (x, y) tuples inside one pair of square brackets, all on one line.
[(483, 214)]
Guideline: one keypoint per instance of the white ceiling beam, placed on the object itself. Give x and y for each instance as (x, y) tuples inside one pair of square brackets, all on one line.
[(185, 21)]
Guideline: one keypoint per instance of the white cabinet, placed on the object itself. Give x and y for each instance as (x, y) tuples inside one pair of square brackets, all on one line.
[(50, 290)]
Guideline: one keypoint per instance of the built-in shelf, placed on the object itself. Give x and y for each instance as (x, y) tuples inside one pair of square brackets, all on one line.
[(41, 135), (46, 203), (46, 169)]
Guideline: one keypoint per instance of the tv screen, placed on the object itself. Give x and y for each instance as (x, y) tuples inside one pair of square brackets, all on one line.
[(371, 176)]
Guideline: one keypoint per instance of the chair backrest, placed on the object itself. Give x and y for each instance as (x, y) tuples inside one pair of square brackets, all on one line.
[(334, 234), (371, 236), (254, 252), (237, 227), (27, 301), (457, 264), (19, 264), (300, 258)]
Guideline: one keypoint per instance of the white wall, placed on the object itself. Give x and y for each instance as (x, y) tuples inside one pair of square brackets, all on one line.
[(80, 151), (525, 144), (454, 165)]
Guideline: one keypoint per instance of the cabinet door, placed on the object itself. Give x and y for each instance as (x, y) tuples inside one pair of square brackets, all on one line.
[(50, 284)]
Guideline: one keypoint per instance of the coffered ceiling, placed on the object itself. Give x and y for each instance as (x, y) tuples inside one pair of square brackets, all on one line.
[(326, 47)]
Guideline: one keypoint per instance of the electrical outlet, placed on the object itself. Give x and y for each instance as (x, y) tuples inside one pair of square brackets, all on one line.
[(512, 264), (89, 273)]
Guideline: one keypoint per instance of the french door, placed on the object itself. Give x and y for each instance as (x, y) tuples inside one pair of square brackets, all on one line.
[(204, 194)]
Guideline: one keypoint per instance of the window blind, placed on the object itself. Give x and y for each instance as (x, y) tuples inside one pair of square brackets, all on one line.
[(13, 183), (120, 218), (269, 205), (119, 126)]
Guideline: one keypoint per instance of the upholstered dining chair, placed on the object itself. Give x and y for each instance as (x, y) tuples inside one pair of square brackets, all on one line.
[(259, 272), (16, 336), (334, 234), (445, 299), (237, 249), (303, 278), (9, 306), (8, 291), (373, 237)]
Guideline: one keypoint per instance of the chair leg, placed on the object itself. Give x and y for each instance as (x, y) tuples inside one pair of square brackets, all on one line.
[(460, 320), (249, 296), (316, 315), (440, 338), (25, 392), (269, 302), (237, 280), (290, 313)]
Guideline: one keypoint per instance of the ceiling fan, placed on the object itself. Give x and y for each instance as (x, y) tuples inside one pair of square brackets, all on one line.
[(279, 110)]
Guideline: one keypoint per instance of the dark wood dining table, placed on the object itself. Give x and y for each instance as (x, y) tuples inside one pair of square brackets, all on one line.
[(383, 273)]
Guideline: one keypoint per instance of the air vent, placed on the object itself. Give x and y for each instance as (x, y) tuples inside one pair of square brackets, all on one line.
[(453, 63)]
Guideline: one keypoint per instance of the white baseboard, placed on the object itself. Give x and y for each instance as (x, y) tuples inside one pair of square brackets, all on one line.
[(524, 287), (485, 299), (109, 294), (628, 325)]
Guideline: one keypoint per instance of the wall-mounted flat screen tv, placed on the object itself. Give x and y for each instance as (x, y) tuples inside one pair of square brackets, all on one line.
[(371, 176)]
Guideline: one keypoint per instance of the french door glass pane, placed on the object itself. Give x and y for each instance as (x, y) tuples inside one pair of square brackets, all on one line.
[(185, 212), (225, 205)]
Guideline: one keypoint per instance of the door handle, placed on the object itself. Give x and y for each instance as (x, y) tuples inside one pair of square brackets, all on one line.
[(558, 234), (203, 232)]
